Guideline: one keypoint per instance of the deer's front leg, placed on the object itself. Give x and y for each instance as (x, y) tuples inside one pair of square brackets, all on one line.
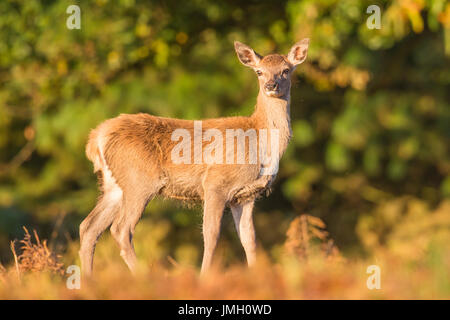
[(243, 220), (212, 217)]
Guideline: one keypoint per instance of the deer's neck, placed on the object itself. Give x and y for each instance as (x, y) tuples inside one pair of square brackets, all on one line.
[(274, 113)]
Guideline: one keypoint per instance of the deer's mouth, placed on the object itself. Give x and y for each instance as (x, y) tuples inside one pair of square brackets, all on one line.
[(274, 93)]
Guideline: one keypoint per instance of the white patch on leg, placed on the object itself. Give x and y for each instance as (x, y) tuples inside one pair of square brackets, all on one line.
[(111, 189)]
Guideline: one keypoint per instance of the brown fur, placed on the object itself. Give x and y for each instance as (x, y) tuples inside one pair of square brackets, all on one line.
[(133, 155)]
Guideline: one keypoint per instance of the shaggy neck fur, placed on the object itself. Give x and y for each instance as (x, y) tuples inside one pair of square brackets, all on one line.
[(274, 113)]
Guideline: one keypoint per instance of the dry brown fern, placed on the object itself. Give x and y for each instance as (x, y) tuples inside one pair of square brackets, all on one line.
[(307, 235), (36, 257)]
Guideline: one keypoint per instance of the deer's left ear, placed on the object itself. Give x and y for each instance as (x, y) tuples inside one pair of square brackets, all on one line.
[(298, 52)]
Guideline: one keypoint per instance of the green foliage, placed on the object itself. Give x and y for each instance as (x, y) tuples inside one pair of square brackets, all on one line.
[(370, 108)]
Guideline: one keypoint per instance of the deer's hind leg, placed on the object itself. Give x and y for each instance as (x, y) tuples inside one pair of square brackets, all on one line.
[(98, 221), (124, 224)]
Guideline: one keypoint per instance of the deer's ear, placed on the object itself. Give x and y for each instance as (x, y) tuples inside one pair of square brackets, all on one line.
[(298, 52), (246, 55)]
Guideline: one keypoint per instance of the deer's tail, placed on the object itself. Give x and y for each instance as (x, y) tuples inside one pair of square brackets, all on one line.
[(93, 150)]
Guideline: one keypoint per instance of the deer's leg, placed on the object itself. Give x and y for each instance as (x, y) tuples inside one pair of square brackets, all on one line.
[(93, 226), (243, 220), (123, 226), (212, 218)]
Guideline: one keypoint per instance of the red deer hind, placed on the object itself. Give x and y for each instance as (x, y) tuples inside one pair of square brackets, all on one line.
[(134, 158)]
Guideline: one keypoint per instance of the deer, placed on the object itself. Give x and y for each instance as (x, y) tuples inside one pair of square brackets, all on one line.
[(131, 155)]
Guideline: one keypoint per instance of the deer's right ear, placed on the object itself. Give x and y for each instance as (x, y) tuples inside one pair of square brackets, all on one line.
[(246, 55)]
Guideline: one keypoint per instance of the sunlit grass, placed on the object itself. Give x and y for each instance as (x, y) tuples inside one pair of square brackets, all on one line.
[(295, 274)]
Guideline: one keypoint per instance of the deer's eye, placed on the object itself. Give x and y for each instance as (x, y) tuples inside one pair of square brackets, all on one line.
[(285, 72), (259, 73)]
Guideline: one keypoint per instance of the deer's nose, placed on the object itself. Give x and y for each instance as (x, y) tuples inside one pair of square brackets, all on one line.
[(271, 85)]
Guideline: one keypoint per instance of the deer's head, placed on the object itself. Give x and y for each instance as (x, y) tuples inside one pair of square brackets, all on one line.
[(274, 70)]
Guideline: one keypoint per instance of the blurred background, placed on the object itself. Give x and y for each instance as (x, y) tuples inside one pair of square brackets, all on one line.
[(370, 114)]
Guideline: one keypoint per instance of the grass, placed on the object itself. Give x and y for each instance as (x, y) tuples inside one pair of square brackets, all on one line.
[(309, 266)]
